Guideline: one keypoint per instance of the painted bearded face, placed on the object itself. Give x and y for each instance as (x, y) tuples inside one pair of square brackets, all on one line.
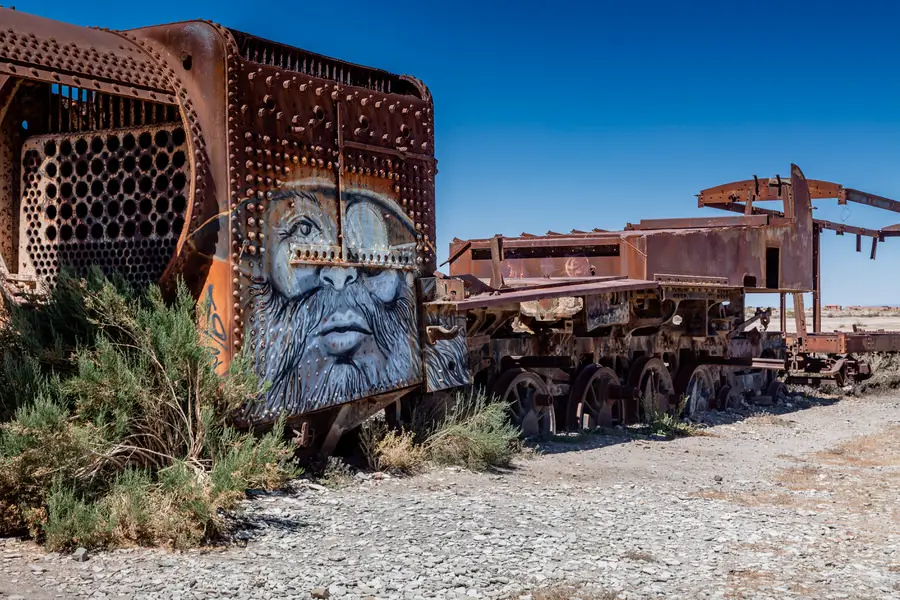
[(327, 334)]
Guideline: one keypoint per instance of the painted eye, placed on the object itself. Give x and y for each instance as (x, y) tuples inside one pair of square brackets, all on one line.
[(304, 227)]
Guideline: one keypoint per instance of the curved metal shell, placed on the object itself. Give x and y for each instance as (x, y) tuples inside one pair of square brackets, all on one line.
[(45, 50)]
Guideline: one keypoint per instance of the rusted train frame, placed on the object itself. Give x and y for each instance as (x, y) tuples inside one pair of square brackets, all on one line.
[(816, 355), (633, 317), (583, 265), (741, 197)]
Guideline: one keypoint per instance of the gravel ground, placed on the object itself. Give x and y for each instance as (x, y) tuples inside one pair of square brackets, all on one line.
[(801, 504)]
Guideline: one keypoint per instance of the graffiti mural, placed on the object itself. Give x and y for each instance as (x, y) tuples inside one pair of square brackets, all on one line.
[(333, 314), (446, 356)]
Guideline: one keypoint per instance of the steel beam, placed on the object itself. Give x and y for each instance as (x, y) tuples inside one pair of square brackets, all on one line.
[(851, 195)]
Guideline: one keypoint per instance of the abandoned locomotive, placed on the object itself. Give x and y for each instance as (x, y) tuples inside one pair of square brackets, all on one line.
[(294, 194)]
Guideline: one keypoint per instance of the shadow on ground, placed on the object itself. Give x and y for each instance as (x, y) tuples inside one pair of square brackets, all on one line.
[(800, 399)]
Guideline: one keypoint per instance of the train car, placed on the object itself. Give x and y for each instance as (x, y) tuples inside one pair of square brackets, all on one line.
[(600, 327), (294, 195), (292, 192)]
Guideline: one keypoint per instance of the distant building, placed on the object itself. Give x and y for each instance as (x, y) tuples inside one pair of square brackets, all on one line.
[(833, 307)]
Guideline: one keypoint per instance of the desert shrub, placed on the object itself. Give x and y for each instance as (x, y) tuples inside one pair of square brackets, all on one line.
[(670, 424), (336, 473), (474, 433), (885, 373), (370, 435), (398, 452), (123, 433), (71, 520), (468, 430)]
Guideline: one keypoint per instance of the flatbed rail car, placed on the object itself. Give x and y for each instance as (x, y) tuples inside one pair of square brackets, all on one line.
[(292, 192), (598, 327)]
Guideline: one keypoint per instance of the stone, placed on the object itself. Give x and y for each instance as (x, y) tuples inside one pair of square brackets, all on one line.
[(80, 555), (455, 535)]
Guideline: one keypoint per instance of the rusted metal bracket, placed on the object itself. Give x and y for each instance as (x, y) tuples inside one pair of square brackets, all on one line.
[(476, 285), (462, 250), (761, 316), (497, 262), (439, 332)]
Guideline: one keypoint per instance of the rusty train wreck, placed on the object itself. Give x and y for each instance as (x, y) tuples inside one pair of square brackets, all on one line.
[(294, 194)]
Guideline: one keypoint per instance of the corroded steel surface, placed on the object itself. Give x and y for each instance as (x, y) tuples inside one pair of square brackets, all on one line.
[(733, 249), (741, 196), (36, 48), (115, 200)]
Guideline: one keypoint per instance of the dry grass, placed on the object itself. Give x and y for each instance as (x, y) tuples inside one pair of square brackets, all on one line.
[(398, 452), (336, 474), (392, 451), (639, 555), (769, 419), (470, 431)]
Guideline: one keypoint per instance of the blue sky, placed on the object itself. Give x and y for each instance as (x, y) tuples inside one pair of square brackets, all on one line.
[(561, 115)]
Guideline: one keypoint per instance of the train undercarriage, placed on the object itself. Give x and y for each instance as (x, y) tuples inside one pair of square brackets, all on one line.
[(617, 352)]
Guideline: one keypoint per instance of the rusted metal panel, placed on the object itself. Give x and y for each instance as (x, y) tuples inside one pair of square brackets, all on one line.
[(873, 342), (555, 256), (445, 348), (843, 342), (92, 199), (731, 248), (602, 310), (821, 343), (41, 49), (763, 189), (10, 157), (333, 222), (702, 222)]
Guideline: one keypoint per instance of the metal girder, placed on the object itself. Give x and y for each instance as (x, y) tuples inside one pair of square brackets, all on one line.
[(881, 202), (701, 223), (765, 189), (840, 228)]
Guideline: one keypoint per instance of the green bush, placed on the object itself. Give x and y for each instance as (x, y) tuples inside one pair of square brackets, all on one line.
[(474, 433), (468, 430), (119, 428), (670, 424)]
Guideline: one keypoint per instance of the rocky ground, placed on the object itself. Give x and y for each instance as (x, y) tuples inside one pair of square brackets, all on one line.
[(798, 504)]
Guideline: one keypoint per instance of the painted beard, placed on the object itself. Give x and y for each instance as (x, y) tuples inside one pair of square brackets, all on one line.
[(327, 347)]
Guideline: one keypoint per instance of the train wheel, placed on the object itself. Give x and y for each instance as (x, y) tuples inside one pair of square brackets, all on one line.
[(591, 402), (700, 391), (722, 397), (654, 387), (529, 401)]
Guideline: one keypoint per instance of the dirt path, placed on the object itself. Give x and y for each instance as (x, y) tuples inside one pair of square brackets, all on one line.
[(804, 504)]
